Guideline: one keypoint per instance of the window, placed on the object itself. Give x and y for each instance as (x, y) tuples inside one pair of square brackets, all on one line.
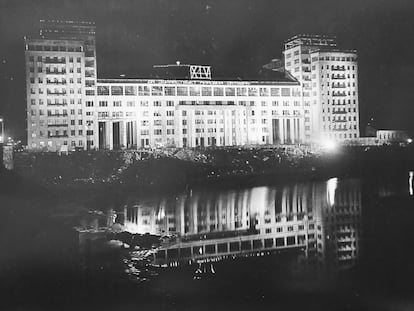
[(264, 91), (285, 92), (230, 91), (194, 91), (252, 91), (169, 91), (182, 91), (241, 91), (144, 90), (206, 91), (130, 90), (117, 90), (156, 91), (102, 90), (218, 91)]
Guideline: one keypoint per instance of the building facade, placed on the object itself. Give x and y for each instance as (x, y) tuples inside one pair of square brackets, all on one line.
[(61, 86), (68, 108), (194, 113), (329, 80)]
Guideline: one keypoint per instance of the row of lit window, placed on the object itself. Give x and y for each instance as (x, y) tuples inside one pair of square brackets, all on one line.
[(55, 59), (55, 70), (41, 112), (105, 103), (335, 110), (194, 91), (55, 48), (344, 118)]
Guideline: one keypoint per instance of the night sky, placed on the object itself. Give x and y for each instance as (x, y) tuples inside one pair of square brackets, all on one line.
[(236, 37)]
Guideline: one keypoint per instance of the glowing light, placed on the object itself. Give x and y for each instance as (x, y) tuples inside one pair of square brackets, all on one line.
[(409, 140), (331, 186), (410, 182), (329, 145)]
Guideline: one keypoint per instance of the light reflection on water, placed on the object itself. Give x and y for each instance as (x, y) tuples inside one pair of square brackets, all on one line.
[(322, 220), (319, 222)]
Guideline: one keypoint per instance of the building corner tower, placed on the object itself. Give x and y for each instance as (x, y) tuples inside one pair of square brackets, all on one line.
[(61, 86), (329, 80)]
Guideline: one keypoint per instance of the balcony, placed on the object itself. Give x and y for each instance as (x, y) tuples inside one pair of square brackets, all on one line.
[(338, 85), (57, 114), (339, 112), (54, 72), (338, 76), (339, 121), (55, 61), (55, 82), (57, 136), (338, 68), (58, 125), (57, 104), (338, 93), (56, 93)]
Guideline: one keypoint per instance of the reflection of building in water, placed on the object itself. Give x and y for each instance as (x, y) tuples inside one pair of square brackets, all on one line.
[(339, 224), (322, 219)]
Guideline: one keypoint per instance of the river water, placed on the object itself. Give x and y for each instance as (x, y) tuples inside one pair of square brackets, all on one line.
[(337, 244)]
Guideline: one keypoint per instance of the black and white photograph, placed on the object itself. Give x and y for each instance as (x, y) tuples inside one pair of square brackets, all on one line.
[(207, 155)]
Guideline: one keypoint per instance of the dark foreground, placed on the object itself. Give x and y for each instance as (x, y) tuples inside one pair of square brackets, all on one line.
[(41, 268)]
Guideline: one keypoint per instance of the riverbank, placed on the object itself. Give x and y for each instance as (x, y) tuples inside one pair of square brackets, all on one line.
[(129, 171)]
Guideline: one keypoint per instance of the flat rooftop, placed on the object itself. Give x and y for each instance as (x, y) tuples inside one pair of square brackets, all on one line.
[(182, 73), (309, 39)]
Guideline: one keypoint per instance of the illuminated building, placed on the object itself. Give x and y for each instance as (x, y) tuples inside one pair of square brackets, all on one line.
[(61, 85), (68, 108), (192, 113), (329, 79)]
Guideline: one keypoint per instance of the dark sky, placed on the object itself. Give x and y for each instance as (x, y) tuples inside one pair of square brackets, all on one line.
[(236, 37)]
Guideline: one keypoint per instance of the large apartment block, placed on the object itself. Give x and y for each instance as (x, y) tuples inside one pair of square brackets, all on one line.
[(329, 80), (68, 108), (61, 86)]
